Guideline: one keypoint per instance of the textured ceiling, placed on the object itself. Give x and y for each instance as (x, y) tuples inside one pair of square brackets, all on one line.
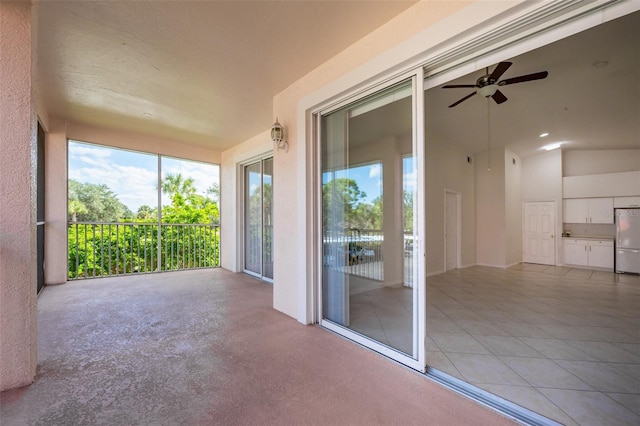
[(206, 73), (200, 71)]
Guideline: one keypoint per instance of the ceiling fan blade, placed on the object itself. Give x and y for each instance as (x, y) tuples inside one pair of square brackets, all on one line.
[(523, 78), (462, 100), (455, 86), (499, 97), (500, 69)]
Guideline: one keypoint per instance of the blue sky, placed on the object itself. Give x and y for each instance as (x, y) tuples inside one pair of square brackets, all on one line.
[(132, 176), (369, 178)]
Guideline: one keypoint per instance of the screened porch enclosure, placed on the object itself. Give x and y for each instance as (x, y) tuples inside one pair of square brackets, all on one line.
[(132, 212)]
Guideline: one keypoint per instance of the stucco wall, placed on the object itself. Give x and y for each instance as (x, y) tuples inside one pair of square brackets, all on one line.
[(392, 46), (55, 250), (231, 195), (18, 144), (141, 142)]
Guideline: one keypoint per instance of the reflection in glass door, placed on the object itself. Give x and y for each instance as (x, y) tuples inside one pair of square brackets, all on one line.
[(368, 163), (258, 224)]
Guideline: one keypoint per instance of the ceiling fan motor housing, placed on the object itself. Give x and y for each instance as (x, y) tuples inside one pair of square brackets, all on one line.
[(486, 86)]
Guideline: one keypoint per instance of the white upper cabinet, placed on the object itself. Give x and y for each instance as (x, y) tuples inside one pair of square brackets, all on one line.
[(626, 202), (623, 184), (576, 210), (588, 210), (600, 210)]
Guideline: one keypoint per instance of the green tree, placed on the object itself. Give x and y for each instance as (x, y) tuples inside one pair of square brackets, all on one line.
[(147, 213), (214, 192), (187, 206), (193, 209), (368, 216), (100, 203), (340, 199), (177, 184), (407, 210), (76, 207)]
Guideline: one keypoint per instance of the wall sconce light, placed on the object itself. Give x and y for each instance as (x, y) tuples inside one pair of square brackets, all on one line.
[(277, 136)]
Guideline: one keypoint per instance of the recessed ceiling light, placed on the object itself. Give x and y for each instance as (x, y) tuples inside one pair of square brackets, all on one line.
[(544, 135), (600, 64), (147, 114), (552, 146)]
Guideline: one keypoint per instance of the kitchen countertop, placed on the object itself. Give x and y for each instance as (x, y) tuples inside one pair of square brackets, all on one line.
[(589, 237)]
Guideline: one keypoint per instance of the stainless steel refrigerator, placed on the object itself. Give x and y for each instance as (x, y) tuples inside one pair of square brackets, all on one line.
[(628, 240)]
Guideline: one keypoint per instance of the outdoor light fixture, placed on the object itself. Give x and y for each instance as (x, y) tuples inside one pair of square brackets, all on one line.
[(277, 136)]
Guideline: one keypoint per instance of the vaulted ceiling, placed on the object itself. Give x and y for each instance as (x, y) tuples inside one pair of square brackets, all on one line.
[(590, 99)]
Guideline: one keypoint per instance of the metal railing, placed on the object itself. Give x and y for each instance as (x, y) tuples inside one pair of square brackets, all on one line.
[(408, 258), (102, 249), (359, 252), (355, 251)]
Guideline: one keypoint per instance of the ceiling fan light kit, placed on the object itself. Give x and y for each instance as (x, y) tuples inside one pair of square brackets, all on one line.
[(488, 84)]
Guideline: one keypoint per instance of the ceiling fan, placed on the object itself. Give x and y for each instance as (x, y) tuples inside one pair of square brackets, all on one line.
[(488, 84)]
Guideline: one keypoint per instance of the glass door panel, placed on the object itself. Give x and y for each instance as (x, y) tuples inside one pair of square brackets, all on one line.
[(368, 187), (253, 218), (258, 218)]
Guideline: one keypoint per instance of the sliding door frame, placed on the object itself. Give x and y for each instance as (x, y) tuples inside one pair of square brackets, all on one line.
[(416, 361), (243, 185)]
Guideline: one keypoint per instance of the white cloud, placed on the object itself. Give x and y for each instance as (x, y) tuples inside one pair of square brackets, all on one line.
[(83, 150), (374, 170), (409, 181), (204, 175), (133, 184)]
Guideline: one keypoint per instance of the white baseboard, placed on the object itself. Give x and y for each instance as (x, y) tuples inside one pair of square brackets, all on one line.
[(490, 265), (430, 274)]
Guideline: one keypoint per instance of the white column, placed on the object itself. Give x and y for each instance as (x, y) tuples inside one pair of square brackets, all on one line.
[(55, 250)]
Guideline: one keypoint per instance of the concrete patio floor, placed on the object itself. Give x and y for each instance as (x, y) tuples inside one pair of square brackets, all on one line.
[(205, 347)]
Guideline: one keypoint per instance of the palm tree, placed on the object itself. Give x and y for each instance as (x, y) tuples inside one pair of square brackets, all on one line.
[(76, 207), (176, 184), (214, 191)]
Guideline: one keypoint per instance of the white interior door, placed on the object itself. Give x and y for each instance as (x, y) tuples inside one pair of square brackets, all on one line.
[(451, 230), (539, 232)]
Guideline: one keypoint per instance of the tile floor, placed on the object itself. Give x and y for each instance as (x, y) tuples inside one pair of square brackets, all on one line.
[(562, 342)]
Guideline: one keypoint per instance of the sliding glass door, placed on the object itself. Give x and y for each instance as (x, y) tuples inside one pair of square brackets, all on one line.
[(369, 184), (258, 213)]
